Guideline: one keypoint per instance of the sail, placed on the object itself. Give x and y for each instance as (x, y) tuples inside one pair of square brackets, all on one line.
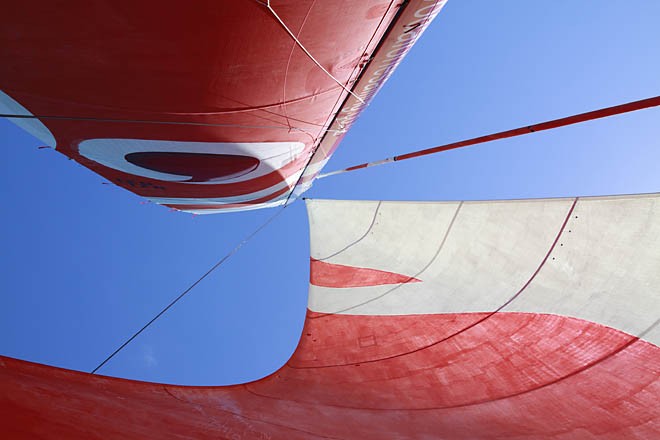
[(519, 319), (212, 107)]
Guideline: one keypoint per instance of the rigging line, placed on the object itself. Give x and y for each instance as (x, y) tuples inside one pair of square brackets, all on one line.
[(556, 123), (311, 57), (288, 64), (330, 122), (360, 69), (146, 121), (185, 292)]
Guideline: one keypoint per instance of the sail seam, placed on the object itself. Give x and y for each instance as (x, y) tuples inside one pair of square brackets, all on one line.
[(311, 57)]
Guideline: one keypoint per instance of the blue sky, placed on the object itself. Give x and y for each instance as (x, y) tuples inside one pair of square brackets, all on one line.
[(84, 265)]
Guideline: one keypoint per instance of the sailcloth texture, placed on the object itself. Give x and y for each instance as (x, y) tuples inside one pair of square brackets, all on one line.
[(523, 319), (218, 106)]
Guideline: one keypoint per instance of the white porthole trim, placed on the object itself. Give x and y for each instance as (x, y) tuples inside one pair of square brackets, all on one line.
[(112, 152), (244, 198)]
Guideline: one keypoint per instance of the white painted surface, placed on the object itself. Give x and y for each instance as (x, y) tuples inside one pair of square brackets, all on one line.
[(243, 198), (112, 152)]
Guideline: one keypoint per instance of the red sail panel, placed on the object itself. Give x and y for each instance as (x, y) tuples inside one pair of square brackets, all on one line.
[(338, 275), (212, 107), (515, 375), (535, 319)]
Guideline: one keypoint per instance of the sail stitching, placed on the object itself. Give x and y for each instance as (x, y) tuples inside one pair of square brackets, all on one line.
[(479, 321)]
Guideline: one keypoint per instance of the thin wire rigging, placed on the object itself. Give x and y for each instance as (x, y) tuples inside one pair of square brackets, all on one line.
[(150, 121), (309, 55), (185, 292)]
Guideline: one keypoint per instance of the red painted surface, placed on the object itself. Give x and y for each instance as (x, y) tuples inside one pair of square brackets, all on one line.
[(201, 167), (212, 72), (514, 375), (326, 274)]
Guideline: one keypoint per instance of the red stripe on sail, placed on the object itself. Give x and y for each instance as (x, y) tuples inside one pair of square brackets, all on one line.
[(325, 274)]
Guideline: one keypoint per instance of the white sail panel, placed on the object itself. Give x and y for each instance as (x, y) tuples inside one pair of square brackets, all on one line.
[(592, 258)]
